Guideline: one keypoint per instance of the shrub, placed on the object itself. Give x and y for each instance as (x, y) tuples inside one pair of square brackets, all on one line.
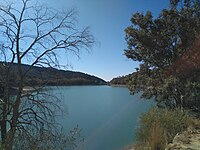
[(159, 126), (2, 147)]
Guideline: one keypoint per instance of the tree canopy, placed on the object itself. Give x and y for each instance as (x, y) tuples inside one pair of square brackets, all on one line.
[(161, 43)]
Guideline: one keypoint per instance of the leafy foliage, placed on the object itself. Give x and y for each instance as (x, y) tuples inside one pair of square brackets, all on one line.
[(161, 44)]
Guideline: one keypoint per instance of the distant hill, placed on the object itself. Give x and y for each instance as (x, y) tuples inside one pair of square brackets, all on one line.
[(52, 76), (121, 80)]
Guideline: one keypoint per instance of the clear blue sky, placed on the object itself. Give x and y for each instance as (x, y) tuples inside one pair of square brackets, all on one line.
[(107, 20)]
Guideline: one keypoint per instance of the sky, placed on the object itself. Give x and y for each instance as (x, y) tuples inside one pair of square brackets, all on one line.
[(107, 20)]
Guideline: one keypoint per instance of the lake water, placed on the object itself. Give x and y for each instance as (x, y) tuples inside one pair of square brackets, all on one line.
[(108, 116)]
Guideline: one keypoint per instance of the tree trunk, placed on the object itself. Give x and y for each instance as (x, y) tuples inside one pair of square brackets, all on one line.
[(5, 109), (11, 134), (3, 125)]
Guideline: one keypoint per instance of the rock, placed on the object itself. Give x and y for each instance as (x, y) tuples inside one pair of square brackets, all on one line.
[(188, 140)]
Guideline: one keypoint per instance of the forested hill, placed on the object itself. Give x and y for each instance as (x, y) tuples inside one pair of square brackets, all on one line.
[(122, 80), (52, 76)]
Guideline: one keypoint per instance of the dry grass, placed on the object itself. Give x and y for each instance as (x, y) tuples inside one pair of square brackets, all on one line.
[(159, 126)]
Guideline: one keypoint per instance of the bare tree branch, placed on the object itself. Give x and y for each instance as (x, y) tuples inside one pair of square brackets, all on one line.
[(38, 33)]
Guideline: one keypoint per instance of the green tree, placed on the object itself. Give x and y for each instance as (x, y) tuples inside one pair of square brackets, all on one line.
[(34, 34), (161, 43)]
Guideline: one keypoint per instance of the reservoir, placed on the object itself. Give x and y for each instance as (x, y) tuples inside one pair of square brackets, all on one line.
[(108, 116)]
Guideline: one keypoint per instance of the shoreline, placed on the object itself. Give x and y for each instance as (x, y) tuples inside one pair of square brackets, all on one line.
[(118, 85)]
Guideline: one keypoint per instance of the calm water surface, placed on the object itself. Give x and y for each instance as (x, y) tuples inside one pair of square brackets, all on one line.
[(107, 115)]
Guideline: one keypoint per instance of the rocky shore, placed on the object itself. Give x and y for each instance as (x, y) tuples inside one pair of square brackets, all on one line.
[(188, 140)]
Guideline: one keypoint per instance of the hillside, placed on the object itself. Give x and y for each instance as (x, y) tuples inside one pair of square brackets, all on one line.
[(53, 77), (122, 80)]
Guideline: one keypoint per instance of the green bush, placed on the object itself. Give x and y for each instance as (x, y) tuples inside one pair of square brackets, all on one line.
[(159, 126), (2, 147)]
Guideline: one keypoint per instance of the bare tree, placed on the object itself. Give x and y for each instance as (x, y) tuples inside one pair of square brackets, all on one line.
[(34, 34)]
